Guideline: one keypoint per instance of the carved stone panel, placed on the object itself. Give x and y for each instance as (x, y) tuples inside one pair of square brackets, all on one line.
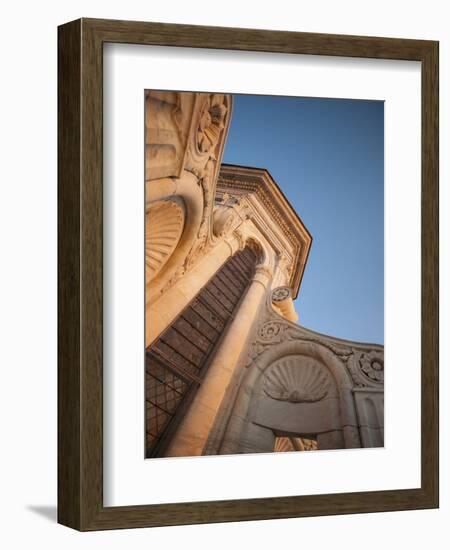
[(168, 118)]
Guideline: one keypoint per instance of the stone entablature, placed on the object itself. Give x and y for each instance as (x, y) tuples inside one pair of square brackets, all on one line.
[(291, 239)]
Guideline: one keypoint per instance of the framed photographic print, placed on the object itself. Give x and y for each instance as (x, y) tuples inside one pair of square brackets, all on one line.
[(248, 234)]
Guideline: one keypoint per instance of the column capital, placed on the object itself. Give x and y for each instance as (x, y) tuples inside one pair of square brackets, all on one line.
[(263, 274), (235, 241)]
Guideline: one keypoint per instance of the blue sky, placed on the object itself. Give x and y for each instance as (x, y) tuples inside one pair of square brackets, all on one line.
[(327, 155)]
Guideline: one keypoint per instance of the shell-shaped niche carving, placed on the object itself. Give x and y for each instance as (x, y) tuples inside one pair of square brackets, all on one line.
[(297, 379), (164, 223)]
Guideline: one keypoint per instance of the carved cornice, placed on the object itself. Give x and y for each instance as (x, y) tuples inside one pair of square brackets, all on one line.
[(236, 181)]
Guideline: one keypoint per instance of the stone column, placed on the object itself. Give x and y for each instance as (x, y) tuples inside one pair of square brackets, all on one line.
[(161, 312), (192, 433)]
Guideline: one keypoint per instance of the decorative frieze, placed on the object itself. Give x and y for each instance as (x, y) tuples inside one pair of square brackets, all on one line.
[(258, 184), (365, 365)]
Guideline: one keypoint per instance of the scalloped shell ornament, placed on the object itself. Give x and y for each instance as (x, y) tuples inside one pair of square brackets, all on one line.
[(297, 379), (164, 224)]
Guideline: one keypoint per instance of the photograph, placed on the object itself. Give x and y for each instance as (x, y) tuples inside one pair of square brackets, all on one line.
[(264, 274)]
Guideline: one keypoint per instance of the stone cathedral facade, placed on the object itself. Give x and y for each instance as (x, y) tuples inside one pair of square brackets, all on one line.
[(228, 368)]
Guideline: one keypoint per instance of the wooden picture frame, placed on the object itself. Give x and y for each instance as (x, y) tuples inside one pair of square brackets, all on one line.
[(80, 272)]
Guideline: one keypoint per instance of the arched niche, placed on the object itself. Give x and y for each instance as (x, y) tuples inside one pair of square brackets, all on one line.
[(187, 194), (294, 388), (253, 238)]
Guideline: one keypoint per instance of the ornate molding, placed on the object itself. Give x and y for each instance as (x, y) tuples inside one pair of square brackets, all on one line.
[(364, 365), (194, 126), (274, 331), (276, 211), (228, 214), (258, 186), (211, 123), (204, 155)]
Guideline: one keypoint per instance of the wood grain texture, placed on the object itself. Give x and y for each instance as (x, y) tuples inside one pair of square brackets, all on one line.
[(80, 264), (430, 272), (69, 243)]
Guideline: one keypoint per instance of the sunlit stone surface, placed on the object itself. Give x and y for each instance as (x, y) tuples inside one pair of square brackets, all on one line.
[(229, 370)]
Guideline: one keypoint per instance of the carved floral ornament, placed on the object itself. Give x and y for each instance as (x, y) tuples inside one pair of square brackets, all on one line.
[(281, 293), (270, 331), (372, 365), (366, 368)]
